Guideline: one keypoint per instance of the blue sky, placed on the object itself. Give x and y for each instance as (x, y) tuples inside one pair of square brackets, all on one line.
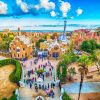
[(26, 12)]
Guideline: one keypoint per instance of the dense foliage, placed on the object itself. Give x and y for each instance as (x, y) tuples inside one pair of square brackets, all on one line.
[(38, 43), (89, 46), (65, 96), (15, 76), (98, 33), (6, 40), (14, 97), (67, 59)]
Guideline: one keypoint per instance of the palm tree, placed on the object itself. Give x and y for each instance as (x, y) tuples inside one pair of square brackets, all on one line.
[(83, 61), (71, 72)]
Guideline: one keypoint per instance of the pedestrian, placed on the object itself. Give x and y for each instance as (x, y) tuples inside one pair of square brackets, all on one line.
[(43, 87), (35, 79), (39, 86), (43, 77), (53, 85), (30, 85), (48, 85), (51, 73)]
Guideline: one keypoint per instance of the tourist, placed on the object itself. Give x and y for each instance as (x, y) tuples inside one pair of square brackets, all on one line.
[(39, 86), (30, 85), (48, 85), (43, 87), (53, 85), (35, 79)]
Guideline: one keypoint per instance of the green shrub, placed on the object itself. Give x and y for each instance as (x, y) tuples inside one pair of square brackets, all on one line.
[(14, 97), (40, 71), (65, 96), (4, 98)]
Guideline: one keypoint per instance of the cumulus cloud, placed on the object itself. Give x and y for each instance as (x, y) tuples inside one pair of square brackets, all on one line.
[(37, 7), (65, 7), (18, 2), (47, 5), (52, 13), (3, 8), (79, 11), (72, 17), (23, 5)]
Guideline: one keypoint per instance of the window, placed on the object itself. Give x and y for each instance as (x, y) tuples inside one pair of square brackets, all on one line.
[(17, 49), (31, 53), (22, 56), (18, 55), (23, 49), (26, 54)]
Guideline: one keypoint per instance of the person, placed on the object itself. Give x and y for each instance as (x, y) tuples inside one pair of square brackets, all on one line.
[(43, 77), (51, 73), (53, 85), (36, 88), (43, 87), (48, 85), (35, 68), (49, 69), (35, 79), (39, 86), (30, 85), (52, 94)]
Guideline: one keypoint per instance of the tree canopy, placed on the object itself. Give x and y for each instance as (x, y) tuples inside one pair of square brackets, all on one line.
[(89, 46), (38, 43)]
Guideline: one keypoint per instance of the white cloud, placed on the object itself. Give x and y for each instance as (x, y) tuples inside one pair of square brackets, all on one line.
[(18, 2), (47, 5), (72, 17), (3, 8), (23, 5), (65, 7), (52, 13), (79, 11), (37, 7)]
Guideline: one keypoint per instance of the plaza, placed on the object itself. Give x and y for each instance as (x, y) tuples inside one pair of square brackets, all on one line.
[(44, 84)]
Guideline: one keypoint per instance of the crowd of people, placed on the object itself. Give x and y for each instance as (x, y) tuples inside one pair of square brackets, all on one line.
[(31, 77)]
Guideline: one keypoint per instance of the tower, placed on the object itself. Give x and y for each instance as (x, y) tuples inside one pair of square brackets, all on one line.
[(19, 32), (64, 33), (63, 37)]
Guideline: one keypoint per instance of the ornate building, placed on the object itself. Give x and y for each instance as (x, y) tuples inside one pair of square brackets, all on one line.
[(21, 48)]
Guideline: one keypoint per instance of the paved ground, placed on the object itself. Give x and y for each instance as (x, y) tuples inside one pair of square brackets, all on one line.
[(86, 96), (28, 93), (96, 76)]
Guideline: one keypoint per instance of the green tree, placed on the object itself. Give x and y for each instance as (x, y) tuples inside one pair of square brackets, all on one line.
[(39, 41), (71, 72), (89, 46), (95, 57), (4, 98), (83, 62)]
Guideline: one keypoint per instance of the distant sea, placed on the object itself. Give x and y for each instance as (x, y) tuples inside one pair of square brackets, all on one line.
[(44, 31), (49, 28), (52, 31)]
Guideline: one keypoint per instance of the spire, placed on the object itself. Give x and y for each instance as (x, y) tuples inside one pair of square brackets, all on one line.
[(64, 34), (19, 32)]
